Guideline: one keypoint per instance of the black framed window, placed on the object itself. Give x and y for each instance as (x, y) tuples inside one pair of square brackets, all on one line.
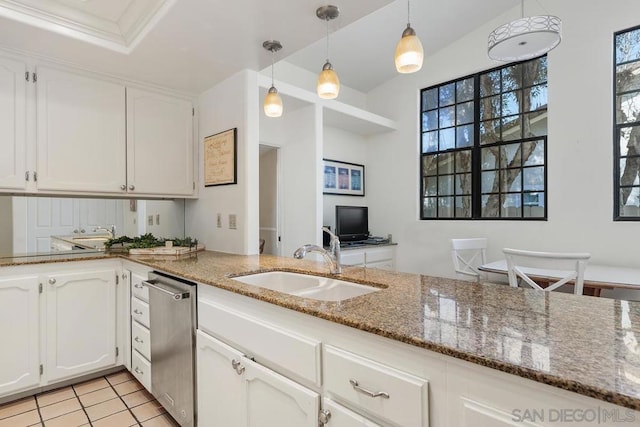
[(483, 145), (626, 144)]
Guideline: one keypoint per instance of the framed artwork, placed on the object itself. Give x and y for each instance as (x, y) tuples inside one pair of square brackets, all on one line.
[(342, 178), (221, 158)]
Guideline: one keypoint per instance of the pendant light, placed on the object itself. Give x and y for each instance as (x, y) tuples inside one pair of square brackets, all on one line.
[(409, 52), (328, 85), (525, 38), (272, 102)]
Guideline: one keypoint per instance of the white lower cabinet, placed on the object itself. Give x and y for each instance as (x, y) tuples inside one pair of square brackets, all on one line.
[(80, 322), (382, 257), (139, 322), (19, 329), (336, 415), (233, 390)]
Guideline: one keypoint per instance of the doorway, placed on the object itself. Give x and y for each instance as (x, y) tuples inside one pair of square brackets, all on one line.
[(270, 238)]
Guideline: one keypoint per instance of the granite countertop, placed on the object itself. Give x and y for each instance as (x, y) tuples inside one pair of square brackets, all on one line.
[(582, 344)]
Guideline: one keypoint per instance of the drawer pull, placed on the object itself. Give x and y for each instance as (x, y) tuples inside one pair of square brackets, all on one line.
[(237, 366), (138, 371), (369, 393), (136, 311), (138, 285), (138, 340)]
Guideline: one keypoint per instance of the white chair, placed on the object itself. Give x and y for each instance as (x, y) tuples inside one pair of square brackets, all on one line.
[(468, 255), (554, 268)]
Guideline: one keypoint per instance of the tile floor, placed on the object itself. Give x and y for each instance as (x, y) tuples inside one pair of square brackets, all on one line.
[(117, 400)]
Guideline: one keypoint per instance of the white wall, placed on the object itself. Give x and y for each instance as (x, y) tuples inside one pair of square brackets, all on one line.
[(231, 103), (343, 146), (580, 162), (6, 225)]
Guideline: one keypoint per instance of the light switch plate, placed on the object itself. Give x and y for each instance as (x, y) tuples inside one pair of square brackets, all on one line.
[(232, 221), (150, 220), (157, 219)]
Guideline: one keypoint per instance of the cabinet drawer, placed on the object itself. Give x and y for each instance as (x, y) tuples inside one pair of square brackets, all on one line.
[(352, 377), (269, 344), (352, 258), (140, 311), (141, 369), (379, 254), (341, 416), (140, 339), (138, 289)]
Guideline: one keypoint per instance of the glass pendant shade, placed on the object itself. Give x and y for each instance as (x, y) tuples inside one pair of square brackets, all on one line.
[(328, 85), (409, 52), (273, 103)]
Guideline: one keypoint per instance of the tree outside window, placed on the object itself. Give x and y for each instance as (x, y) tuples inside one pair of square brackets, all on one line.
[(484, 145)]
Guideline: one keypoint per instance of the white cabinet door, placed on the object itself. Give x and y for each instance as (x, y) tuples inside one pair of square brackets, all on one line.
[(80, 322), (219, 385), (13, 95), (272, 400), (339, 416), (81, 133), (19, 329), (159, 144)]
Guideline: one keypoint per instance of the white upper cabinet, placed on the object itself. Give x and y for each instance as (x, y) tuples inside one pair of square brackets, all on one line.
[(13, 95), (80, 133), (159, 144)]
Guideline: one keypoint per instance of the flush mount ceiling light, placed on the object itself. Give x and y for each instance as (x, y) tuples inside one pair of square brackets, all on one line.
[(272, 102), (328, 85), (409, 52), (525, 38)]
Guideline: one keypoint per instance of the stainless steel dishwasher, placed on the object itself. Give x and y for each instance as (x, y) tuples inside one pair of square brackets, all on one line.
[(172, 307)]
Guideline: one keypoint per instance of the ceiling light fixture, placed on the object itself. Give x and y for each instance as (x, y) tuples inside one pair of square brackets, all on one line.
[(328, 85), (525, 38), (272, 102), (409, 51)]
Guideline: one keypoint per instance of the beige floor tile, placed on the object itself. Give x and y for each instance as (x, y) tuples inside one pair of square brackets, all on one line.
[(119, 377), (17, 407), (89, 386), (55, 396), (121, 419), (72, 419), (60, 408), (137, 398), (21, 420), (105, 409), (128, 387), (148, 410), (161, 421), (98, 396)]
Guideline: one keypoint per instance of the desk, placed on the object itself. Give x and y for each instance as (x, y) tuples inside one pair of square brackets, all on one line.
[(595, 276)]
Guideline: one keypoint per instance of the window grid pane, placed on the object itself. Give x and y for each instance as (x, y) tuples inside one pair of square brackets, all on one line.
[(511, 122)]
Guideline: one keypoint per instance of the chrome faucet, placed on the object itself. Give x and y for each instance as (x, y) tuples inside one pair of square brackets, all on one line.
[(332, 255), (111, 230)]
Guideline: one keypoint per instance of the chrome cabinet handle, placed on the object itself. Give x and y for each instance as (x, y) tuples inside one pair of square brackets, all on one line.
[(75, 231), (132, 187), (369, 393), (324, 416), (136, 311), (138, 285), (82, 230), (136, 339), (138, 371), (237, 366), (52, 281), (124, 276), (123, 187)]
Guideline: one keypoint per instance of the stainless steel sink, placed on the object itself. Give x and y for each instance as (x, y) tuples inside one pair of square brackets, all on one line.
[(307, 285), (96, 238)]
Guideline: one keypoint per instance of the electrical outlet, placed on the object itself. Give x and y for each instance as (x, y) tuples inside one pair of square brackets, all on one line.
[(232, 222), (219, 221), (157, 219), (150, 220)]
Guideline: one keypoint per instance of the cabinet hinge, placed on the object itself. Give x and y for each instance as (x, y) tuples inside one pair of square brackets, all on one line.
[(194, 185), (35, 176), (40, 288), (35, 77), (26, 176), (193, 112), (41, 369), (117, 351), (26, 75), (117, 279)]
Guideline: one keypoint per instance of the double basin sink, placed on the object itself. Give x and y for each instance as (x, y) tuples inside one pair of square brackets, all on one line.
[(306, 285)]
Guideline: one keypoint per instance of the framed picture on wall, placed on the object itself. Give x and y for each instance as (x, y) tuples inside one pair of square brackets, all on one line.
[(220, 158), (342, 178)]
